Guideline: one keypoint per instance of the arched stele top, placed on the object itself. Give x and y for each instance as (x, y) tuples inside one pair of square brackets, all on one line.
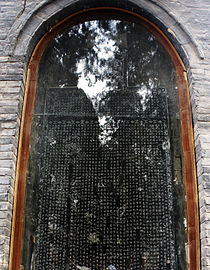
[(188, 165)]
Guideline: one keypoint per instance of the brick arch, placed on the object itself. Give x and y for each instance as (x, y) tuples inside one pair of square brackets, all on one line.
[(29, 28), (185, 115)]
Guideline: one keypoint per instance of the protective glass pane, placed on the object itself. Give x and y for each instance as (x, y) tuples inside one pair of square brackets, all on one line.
[(104, 187)]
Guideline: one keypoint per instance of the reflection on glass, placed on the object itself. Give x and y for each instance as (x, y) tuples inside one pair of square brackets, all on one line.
[(104, 183)]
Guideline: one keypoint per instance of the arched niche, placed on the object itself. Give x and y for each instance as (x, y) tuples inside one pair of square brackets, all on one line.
[(184, 111)]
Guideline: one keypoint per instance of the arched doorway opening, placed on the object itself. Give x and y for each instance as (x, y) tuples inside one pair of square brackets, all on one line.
[(119, 49)]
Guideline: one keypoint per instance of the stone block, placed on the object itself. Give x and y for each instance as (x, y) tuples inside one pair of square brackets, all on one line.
[(6, 148)]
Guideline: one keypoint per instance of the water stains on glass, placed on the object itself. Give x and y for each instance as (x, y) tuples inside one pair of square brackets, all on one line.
[(104, 186)]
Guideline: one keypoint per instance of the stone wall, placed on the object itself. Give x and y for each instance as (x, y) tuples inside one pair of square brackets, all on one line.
[(23, 22)]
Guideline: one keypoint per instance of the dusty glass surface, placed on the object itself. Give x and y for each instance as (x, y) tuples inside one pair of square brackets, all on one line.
[(104, 185)]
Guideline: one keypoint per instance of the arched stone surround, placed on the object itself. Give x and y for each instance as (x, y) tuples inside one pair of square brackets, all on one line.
[(33, 22)]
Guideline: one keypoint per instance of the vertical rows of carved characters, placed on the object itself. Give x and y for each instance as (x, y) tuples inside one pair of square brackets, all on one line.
[(105, 202)]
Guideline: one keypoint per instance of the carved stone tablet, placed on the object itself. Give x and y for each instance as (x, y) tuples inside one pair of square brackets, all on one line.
[(106, 187)]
